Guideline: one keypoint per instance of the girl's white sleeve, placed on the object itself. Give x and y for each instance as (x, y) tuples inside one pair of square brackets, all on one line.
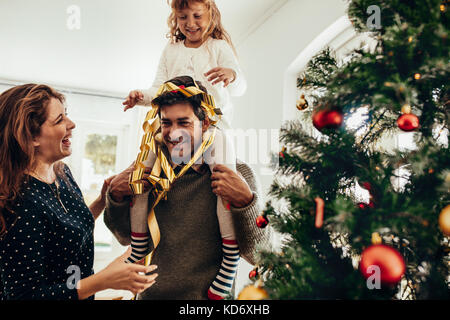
[(227, 59), (160, 78)]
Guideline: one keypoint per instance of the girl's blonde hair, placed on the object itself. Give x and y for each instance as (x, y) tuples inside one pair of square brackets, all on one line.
[(215, 29)]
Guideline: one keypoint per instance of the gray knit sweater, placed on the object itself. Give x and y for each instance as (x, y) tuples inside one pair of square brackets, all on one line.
[(189, 254)]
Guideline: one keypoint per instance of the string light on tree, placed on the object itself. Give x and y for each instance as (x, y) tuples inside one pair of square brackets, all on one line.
[(406, 108), (376, 238)]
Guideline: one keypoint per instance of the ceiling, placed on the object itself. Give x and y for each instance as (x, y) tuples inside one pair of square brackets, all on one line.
[(116, 48)]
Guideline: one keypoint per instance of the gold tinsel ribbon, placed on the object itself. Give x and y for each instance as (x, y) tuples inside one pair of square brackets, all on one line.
[(161, 184)]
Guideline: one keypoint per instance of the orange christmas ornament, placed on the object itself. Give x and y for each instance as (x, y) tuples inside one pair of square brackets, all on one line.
[(320, 204), (444, 221)]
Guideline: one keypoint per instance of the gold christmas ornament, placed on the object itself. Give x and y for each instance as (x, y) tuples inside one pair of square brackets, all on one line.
[(417, 76), (444, 221), (410, 39), (376, 238), (302, 103), (252, 292), (406, 108)]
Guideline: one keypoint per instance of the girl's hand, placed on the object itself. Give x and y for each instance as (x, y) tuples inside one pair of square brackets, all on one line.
[(128, 276), (219, 74), (133, 98)]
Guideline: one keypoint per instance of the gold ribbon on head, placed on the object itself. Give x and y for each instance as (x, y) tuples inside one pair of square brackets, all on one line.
[(161, 184)]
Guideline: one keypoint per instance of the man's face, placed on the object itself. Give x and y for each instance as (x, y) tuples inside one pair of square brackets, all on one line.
[(182, 131)]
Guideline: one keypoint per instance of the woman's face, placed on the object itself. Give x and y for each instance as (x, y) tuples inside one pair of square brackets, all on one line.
[(53, 143)]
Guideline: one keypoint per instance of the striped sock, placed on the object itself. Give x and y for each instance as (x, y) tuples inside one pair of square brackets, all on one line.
[(139, 246), (221, 286)]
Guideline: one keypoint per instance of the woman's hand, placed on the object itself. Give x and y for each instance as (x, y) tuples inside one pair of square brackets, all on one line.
[(219, 74), (99, 204), (120, 275), (133, 98)]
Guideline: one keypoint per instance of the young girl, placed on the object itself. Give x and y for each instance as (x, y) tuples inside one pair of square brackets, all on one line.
[(202, 49)]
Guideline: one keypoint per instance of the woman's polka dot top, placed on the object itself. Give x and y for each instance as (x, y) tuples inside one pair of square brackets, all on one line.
[(47, 250)]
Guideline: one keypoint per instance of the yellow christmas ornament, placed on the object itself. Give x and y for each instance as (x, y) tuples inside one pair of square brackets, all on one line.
[(253, 292), (444, 221), (302, 104)]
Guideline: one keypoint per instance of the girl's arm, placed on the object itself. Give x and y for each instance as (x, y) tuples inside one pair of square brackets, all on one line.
[(227, 59)]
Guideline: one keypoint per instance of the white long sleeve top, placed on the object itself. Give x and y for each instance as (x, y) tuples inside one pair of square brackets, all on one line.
[(179, 60)]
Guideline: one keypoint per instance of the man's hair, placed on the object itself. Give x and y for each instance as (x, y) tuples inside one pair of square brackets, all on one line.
[(172, 98)]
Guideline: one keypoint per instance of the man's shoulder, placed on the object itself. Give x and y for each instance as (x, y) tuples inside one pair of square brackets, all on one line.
[(244, 169)]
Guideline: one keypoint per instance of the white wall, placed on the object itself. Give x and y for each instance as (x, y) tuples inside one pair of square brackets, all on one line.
[(266, 55)]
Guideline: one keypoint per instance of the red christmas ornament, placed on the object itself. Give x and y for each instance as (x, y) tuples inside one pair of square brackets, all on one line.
[(367, 186), (253, 274), (327, 119), (408, 122), (262, 221), (389, 261)]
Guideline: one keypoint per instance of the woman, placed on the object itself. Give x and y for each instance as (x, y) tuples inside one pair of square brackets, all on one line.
[(46, 229)]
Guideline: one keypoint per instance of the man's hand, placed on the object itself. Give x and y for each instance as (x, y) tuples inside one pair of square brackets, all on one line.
[(119, 185), (231, 187)]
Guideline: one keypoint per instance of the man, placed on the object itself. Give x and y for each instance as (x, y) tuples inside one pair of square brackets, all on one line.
[(190, 253)]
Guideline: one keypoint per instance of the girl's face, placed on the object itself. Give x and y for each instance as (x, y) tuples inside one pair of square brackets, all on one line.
[(193, 22), (53, 142)]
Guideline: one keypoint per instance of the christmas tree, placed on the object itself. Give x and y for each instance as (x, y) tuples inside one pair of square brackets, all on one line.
[(360, 220)]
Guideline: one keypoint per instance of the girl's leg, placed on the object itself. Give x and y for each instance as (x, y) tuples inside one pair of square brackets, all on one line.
[(222, 152), (140, 235)]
